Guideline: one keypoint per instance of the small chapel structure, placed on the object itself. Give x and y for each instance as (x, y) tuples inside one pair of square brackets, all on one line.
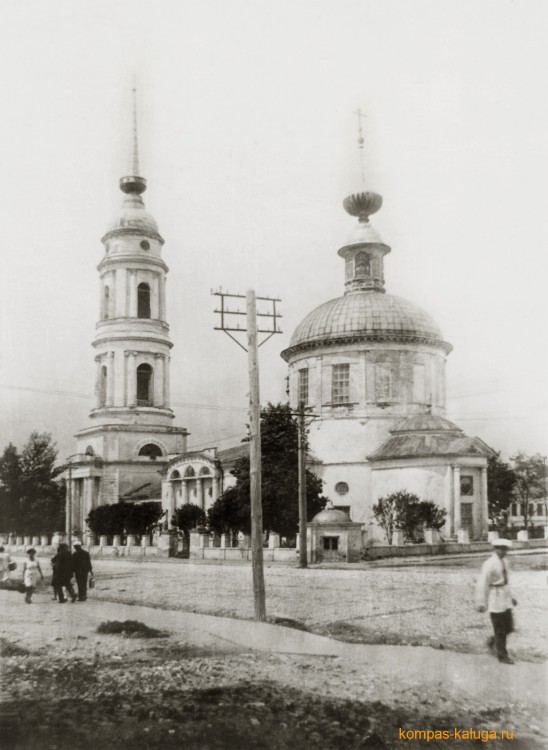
[(371, 367)]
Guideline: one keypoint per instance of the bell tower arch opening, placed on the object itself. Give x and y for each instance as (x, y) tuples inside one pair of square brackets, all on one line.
[(143, 300), (145, 385)]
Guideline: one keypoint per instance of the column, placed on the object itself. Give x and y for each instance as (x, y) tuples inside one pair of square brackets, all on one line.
[(201, 492), (127, 301), (159, 378), (484, 505), (167, 359), (126, 368), (131, 379), (216, 484), (109, 401), (155, 311), (185, 492), (132, 312), (98, 382), (162, 296), (456, 497)]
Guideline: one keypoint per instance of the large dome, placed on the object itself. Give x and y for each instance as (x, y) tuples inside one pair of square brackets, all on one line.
[(365, 316)]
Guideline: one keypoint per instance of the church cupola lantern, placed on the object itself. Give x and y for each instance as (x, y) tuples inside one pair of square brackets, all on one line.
[(364, 253)]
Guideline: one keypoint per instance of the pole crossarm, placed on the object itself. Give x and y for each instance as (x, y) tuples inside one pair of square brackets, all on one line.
[(229, 326)]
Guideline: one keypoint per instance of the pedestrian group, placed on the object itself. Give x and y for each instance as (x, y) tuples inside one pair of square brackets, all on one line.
[(64, 565)]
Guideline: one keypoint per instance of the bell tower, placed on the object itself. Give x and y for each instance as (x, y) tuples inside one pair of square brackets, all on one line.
[(131, 433)]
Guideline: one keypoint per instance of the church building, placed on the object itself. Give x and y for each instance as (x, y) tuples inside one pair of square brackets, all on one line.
[(131, 435), (371, 367)]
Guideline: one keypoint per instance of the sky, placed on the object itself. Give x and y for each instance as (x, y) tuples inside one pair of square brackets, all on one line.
[(248, 142)]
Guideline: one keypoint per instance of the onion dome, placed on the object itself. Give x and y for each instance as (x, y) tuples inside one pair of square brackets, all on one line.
[(365, 312)]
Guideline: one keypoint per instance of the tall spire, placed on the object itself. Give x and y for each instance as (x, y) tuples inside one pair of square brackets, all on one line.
[(134, 183)]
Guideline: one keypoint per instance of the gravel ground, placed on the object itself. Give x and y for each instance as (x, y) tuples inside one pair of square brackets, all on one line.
[(79, 689), (427, 606)]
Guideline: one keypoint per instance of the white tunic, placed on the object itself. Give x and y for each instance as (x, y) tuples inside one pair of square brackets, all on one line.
[(31, 572), (493, 589)]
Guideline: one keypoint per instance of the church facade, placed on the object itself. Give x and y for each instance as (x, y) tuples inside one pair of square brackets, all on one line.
[(371, 367), (131, 436)]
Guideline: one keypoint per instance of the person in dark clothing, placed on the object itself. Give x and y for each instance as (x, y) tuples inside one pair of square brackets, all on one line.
[(81, 563), (62, 573)]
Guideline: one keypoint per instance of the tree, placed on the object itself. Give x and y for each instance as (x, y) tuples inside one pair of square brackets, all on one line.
[(432, 516), (501, 481), (188, 517), (43, 501), (140, 518), (32, 501), (10, 488), (279, 481), (530, 483), (406, 512), (107, 520), (131, 518)]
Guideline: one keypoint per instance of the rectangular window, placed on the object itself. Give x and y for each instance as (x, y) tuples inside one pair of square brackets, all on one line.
[(515, 511), (383, 382), (340, 384), (331, 542), (466, 486), (303, 386)]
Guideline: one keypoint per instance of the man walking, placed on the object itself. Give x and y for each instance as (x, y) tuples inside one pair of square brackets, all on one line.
[(493, 593), (81, 564)]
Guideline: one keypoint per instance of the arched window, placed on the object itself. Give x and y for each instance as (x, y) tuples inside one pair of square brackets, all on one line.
[(151, 450), (143, 301), (341, 488), (106, 303), (190, 472), (205, 472), (362, 264), (103, 386), (175, 474), (144, 385), (90, 451)]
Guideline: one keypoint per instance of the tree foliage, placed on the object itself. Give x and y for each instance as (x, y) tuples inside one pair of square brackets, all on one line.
[(32, 501), (188, 517), (10, 488), (120, 518), (530, 484), (107, 520), (279, 481), (406, 512), (501, 481)]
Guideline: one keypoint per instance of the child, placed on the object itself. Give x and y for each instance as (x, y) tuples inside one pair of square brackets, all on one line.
[(31, 569)]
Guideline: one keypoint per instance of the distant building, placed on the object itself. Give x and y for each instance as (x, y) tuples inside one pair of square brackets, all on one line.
[(199, 477), (371, 367), (131, 436)]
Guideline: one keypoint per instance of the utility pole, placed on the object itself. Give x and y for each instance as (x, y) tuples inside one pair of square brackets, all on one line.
[(301, 434), (252, 330), (69, 507)]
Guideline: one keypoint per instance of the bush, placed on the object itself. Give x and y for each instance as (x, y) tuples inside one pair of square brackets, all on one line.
[(132, 518)]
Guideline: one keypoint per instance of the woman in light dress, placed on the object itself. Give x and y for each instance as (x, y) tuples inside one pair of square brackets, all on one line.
[(31, 571)]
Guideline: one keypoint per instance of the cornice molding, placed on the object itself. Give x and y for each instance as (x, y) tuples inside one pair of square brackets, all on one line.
[(358, 338), (134, 232), (124, 261)]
